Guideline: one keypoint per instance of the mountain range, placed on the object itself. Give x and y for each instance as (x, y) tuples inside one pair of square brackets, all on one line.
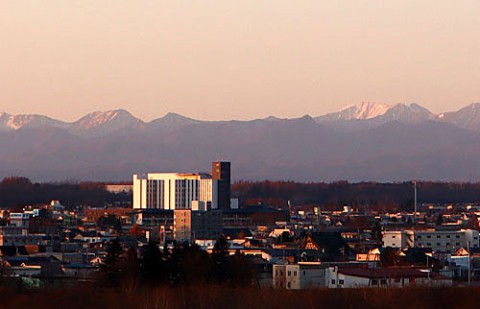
[(363, 142)]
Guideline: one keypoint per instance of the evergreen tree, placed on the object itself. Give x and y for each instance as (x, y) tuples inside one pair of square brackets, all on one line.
[(220, 259), (153, 264), (111, 265)]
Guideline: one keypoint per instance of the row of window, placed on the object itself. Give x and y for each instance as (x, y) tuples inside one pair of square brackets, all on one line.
[(374, 281), (439, 244), (439, 236), (289, 273)]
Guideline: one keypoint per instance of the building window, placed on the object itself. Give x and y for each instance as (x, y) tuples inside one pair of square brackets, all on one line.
[(383, 282), (295, 273), (341, 281), (457, 236), (428, 236), (393, 236), (333, 281), (374, 281)]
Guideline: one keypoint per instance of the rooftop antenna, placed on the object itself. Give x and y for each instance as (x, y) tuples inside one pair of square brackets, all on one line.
[(414, 204)]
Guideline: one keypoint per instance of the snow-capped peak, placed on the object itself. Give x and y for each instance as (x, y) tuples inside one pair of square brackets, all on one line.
[(365, 110), (97, 118), (102, 123), (14, 122), (377, 113)]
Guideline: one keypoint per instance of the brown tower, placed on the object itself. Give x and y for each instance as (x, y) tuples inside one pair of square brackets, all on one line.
[(221, 172)]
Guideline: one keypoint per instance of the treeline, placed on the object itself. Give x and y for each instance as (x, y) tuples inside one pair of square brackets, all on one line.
[(20, 191), (184, 264), (363, 194)]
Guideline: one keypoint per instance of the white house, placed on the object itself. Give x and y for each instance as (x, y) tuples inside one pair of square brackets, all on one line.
[(349, 277)]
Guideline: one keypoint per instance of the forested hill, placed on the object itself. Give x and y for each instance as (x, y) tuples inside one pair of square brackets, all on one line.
[(20, 191), (364, 194)]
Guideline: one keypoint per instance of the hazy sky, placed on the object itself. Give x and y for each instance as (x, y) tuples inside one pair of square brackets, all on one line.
[(242, 59)]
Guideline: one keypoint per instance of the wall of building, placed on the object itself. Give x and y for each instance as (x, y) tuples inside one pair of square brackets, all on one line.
[(182, 225), (439, 241), (298, 276), (174, 191)]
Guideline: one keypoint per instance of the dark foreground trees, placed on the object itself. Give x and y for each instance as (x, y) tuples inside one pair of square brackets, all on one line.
[(184, 264)]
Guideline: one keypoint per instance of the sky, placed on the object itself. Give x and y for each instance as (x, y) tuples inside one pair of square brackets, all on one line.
[(226, 59)]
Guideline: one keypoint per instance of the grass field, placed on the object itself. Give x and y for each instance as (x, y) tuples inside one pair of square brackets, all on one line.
[(233, 298)]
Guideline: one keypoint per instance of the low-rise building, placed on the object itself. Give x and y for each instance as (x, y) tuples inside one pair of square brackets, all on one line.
[(356, 277), (438, 240), (303, 275)]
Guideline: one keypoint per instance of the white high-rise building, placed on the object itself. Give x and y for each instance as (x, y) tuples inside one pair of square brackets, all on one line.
[(175, 191)]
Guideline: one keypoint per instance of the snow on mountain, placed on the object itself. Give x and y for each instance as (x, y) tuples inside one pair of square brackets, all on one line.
[(368, 110), (103, 123), (368, 113), (98, 118), (353, 118), (412, 113), (14, 122), (365, 110)]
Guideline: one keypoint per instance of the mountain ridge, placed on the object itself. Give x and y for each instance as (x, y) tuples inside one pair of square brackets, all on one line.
[(353, 117), (397, 143)]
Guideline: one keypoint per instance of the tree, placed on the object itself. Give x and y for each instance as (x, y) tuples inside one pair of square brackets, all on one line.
[(220, 249), (110, 221), (220, 259), (377, 230), (111, 265), (285, 237), (241, 269), (130, 270), (439, 220), (195, 264), (153, 265), (389, 257), (16, 182)]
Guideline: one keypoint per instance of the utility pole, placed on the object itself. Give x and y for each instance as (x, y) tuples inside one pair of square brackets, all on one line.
[(468, 262), (414, 204)]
